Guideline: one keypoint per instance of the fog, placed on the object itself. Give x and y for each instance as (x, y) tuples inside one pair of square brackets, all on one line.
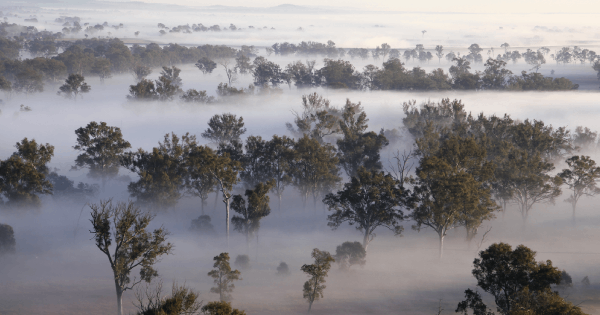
[(58, 270)]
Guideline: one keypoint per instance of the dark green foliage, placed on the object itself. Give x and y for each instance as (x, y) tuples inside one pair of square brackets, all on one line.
[(168, 84), (581, 178), (74, 85), (283, 269), (7, 239), (5, 85), (143, 90), (565, 279), (63, 187), (23, 175), (339, 74), (317, 272), (242, 262), (206, 65), (223, 277), (162, 171), (265, 72), (372, 199), (182, 301), (202, 226), (314, 168), (252, 211), (225, 128), (358, 148), (28, 81), (349, 254), (135, 246), (102, 148), (221, 308), (505, 273), (543, 302), (317, 119), (102, 68), (451, 188), (193, 96), (140, 72)]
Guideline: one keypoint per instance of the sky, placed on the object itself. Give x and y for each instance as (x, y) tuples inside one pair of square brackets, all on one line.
[(468, 6)]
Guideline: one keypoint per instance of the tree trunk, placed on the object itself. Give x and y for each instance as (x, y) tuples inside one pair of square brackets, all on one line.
[(227, 218), (441, 234), (119, 300), (202, 206), (309, 306), (366, 240), (279, 195), (574, 208)]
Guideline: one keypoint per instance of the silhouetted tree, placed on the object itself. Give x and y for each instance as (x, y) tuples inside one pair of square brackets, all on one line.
[(223, 277), (7, 239), (206, 65), (23, 176), (581, 177), (314, 287), (349, 254), (102, 148), (74, 85)]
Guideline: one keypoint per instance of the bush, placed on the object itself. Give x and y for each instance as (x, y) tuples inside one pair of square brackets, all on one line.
[(283, 269), (242, 262), (350, 253), (203, 226), (7, 239)]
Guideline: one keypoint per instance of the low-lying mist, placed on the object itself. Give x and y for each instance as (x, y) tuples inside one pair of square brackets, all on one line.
[(57, 261)]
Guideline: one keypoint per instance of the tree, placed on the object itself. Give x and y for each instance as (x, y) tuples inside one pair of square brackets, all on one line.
[(224, 129), (531, 183), (221, 308), (358, 148), (143, 90), (207, 167), (74, 85), (266, 72), (28, 81), (250, 213), (283, 269), (168, 84), (102, 148), (101, 68), (140, 71), (230, 70), (206, 65), (504, 273), (162, 171), (223, 277), (182, 301), (23, 176), (451, 188), (193, 96), (495, 75), (243, 65), (135, 246), (281, 155), (7, 239), (439, 52), (372, 199), (202, 226), (505, 46), (314, 169), (385, 50), (350, 253), (596, 68), (200, 182), (581, 177), (544, 302), (5, 85), (317, 120), (317, 272)]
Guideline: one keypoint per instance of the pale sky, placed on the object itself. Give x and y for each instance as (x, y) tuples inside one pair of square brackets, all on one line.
[(470, 6)]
